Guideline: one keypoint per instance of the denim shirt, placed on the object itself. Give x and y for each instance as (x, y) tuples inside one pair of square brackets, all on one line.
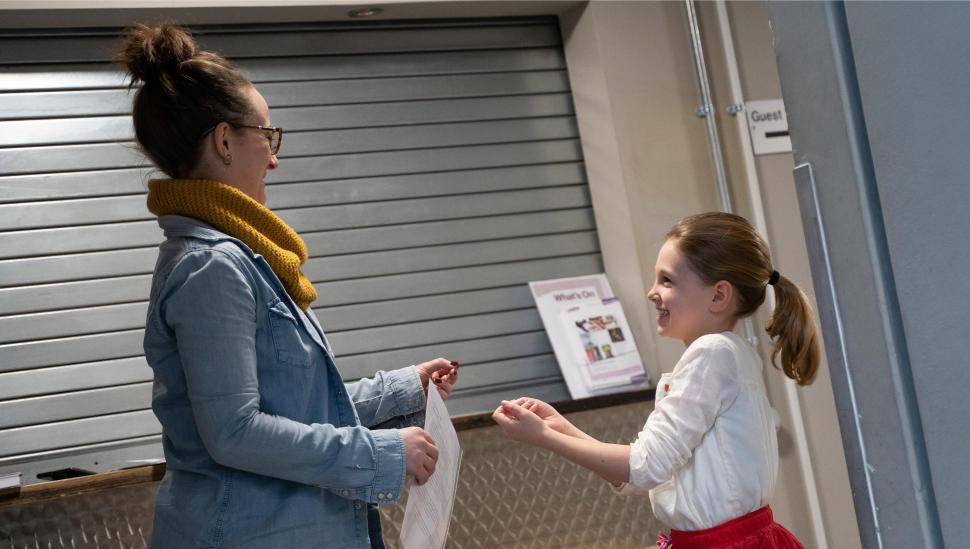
[(265, 445)]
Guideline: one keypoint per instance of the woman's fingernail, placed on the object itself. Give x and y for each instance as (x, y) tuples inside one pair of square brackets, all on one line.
[(436, 380), (453, 363)]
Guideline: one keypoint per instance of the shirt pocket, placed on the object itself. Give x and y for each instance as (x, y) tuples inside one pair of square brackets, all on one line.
[(290, 346)]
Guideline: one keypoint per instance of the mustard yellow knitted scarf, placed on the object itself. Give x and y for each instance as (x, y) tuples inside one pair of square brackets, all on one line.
[(236, 214)]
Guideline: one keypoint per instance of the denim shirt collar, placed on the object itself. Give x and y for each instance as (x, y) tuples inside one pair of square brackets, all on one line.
[(180, 226), (189, 227)]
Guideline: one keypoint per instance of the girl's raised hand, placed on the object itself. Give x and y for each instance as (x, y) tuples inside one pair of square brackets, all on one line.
[(551, 417), (520, 424)]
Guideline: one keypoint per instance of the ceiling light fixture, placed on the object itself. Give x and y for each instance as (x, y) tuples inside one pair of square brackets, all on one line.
[(365, 12)]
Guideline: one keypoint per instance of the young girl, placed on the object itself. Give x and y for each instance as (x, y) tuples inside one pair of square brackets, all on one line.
[(708, 454)]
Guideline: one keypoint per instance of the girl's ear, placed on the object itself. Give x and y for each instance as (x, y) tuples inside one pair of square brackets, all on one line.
[(722, 297)]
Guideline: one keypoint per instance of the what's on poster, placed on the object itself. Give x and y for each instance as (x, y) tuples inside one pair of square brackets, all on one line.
[(590, 335)]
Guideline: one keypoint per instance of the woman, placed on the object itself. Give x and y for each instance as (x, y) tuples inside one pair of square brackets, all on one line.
[(265, 445)]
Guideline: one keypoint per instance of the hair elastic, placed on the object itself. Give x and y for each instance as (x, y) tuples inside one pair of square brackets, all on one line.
[(773, 279)]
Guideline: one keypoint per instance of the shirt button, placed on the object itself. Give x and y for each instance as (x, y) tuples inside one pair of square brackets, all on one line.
[(380, 495), (357, 505), (345, 492)]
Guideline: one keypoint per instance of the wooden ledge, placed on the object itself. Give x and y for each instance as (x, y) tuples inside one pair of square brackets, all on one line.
[(44, 491)]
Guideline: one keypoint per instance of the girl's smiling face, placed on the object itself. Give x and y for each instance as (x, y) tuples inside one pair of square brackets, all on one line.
[(682, 299)]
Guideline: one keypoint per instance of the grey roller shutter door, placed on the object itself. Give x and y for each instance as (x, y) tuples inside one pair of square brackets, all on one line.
[(432, 168)]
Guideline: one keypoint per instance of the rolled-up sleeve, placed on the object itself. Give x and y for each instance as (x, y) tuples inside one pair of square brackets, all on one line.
[(215, 333), (702, 386), (389, 396)]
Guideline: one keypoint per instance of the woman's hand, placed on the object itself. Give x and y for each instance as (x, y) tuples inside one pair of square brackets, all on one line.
[(520, 424), (440, 371), (420, 453)]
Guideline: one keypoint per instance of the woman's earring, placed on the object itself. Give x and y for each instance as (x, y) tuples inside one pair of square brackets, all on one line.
[(227, 160)]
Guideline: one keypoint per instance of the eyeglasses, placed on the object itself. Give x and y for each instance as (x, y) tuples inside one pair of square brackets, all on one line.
[(273, 135)]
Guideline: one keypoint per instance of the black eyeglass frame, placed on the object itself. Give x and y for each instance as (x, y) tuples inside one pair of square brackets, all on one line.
[(277, 131)]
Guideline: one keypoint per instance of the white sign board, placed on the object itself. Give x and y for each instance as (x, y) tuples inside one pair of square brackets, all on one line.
[(590, 336), (768, 123)]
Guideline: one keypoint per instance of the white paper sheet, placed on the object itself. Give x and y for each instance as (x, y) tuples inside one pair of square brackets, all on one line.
[(428, 511)]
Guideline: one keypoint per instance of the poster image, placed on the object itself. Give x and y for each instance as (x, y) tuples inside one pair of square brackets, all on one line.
[(590, 337)]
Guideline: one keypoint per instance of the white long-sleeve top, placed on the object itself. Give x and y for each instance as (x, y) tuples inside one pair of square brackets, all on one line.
[(709, 451)]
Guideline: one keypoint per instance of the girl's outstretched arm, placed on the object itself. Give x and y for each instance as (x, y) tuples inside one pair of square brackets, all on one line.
[(610, 461)]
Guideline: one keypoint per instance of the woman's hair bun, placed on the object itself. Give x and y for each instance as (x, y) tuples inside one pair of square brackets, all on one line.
[(152, 54)]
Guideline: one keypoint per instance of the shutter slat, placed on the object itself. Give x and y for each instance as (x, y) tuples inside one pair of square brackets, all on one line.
[(320, 121), (86, 293), (96, 402), (91, 103), (65, 434), (75, 377), (70, 212), (79, 76), (380, 288), (466, 352), (102, 46), (434, 332)]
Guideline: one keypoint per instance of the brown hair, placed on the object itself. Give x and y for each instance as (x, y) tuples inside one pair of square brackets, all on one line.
[(721, 246), (186, 92)]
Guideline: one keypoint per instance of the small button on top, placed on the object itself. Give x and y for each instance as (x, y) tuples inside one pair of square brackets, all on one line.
[(356, 505), (380, 495), (345, 492)]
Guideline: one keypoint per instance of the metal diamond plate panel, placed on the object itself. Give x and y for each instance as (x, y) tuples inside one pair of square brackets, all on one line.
[(509, 496)]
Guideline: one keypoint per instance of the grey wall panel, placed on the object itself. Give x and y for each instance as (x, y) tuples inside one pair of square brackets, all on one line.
[(412, 185), (77, 266), (68, 350), (433, 170), (64, 434), (448, 257), (26, 47), (453, 280), (426, 160), (117, 130), (64, 240), (85, 293), (34, 215), (76, 404), (407, 335), (468, 353), (63, 158), (72, 212), (421, 112), (60, 185), (446, 207), (69, 76), (89, 103), (60, 76), (399, 311), (69, 322), (916, 120), (410, 235), (76, 377)]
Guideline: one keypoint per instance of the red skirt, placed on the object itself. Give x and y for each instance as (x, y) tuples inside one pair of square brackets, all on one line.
[(756, 530)]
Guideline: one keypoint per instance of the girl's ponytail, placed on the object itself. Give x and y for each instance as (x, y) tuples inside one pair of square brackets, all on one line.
[(792, 327), (722, 246)]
